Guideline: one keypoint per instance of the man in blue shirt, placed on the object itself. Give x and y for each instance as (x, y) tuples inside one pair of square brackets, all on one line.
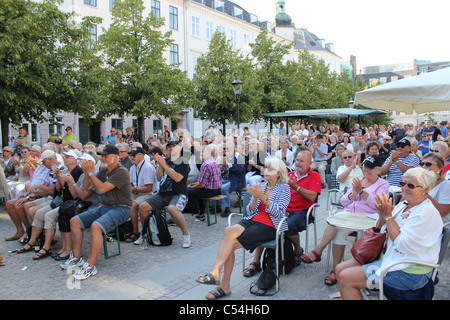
[(319, 151)]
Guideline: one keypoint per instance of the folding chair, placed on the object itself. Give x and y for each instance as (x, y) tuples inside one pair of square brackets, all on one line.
[(426, 292)]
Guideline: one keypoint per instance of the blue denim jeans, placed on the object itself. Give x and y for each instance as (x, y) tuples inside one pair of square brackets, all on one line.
[(226, 191), (106, 217)]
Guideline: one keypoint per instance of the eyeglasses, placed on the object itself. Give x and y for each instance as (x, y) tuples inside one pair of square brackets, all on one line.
[(6, 151), (426, 164), (401, 145), (349, 157), (409, 185), (437, 151)]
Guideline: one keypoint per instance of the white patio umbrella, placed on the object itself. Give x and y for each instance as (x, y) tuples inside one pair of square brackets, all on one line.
[(427, 92)]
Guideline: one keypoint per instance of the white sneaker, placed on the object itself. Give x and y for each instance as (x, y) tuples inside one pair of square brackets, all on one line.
[(186, 241), (138, 242), (85, 272), (72, 262)]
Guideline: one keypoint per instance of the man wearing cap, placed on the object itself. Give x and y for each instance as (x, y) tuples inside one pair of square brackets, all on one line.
[(113, 183), (69, 136), (143, 185), (398, 162), (46, 215), (172, 173), (41, 185)]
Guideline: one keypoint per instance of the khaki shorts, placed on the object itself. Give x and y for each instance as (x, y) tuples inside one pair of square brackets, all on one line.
[(141, 197)]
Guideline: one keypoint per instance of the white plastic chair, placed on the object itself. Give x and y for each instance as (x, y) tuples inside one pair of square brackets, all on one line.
[(444, 244)]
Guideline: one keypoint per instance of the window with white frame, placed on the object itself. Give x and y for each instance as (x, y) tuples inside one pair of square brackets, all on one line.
[(233, 37), (246, 42), (209, 30), (91, 2), (32, 130), (221, 29), (218, 4), (194, 65), (111, 5), (156, 8), (195, 26), (56, 126), (174, 60), (93, 30), (237, 12), (173, 17)]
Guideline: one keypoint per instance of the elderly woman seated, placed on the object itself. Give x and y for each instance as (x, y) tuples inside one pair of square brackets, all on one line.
[(359, 198), (266, 210), (414, 228)]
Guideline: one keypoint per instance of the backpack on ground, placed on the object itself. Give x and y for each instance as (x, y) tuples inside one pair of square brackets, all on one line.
[(155, 230), (269, 276)]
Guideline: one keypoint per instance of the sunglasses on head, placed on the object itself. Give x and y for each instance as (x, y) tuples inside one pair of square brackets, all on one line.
[(409, 185), (426, 164)]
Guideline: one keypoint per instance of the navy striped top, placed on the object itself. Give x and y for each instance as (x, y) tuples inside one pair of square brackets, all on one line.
[(279, 200)]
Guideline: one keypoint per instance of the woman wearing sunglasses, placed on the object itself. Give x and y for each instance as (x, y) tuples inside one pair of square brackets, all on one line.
[(414, 228), (359, 198), (440, 194)]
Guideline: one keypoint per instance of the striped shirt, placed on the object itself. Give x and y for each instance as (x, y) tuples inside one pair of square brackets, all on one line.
[(41, 176), (210, 174), (394, 175), (279, 200)]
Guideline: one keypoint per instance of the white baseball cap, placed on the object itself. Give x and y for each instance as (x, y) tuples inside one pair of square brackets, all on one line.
[(72, 153), (47, 154), (87, 157)]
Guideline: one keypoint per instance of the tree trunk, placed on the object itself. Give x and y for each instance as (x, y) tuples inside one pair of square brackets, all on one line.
[(141, 132), (5, 131)]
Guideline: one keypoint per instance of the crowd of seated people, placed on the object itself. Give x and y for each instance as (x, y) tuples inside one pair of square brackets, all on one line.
[(176, 168)]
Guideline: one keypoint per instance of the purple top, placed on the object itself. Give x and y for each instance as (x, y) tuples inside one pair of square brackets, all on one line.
[(359, 205)]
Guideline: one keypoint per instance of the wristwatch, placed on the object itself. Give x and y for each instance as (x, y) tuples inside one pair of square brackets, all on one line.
[(90, 174), (297, 190)]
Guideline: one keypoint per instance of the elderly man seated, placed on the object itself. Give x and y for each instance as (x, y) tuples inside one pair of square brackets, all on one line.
[(209, 182), (143, 184), (348, 171)]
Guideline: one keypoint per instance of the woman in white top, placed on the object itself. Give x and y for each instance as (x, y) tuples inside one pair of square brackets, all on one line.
[(346, 142), (440, 194), (285, 155), (414, 229)]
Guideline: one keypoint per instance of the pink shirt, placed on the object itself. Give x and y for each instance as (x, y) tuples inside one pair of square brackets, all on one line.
[(359, 205)]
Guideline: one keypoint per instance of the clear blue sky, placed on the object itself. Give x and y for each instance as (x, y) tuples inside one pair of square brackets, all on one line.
[(376, 32)]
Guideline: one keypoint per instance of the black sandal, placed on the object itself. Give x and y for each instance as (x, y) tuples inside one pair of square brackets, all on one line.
[(41, 255), (251, 270), (218, 293), (132, 237), (22, 250)]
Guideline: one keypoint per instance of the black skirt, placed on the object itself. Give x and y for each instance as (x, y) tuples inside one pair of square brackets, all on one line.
[(255, 234)]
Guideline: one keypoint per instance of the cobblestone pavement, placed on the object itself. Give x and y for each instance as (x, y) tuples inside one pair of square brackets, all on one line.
[(161, 273)]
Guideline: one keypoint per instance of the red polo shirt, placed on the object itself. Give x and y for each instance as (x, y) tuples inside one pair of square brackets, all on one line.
[(310, 181)]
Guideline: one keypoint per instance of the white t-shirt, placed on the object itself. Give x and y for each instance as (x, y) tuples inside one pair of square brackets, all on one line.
[(355, 173)]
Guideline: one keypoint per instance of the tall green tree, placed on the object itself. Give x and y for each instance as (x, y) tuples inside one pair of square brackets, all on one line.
[(140, 82), (275, 85), (215, 72), (42, 59)]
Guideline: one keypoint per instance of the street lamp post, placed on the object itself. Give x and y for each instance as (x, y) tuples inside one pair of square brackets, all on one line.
[(237, 88)]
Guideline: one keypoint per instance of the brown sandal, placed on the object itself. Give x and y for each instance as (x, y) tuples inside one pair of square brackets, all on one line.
[(251, 270)]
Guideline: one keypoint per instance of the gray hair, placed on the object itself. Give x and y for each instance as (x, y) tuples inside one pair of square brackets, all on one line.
[(426, 178), (443, 145), (124, 145)]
